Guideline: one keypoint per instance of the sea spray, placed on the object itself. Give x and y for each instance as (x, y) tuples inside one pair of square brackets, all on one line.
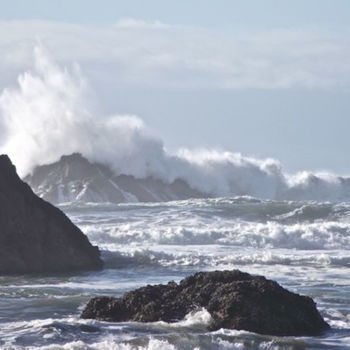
[(50, 114)]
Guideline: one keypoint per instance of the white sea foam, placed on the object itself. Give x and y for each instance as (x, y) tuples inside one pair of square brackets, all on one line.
[(307, 236), (199, 319), (108, 344), (220, 256), (303, 246), (50, 114)]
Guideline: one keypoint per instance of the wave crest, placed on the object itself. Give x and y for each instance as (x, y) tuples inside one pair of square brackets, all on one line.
[(58, 102)]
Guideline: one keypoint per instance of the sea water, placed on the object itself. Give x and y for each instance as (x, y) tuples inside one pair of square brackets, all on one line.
[(302, 245)]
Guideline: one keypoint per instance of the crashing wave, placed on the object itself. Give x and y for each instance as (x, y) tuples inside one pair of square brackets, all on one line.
[(50, 114), (74, 179)]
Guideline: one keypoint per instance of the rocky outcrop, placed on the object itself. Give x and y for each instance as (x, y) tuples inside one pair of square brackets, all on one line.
[(34, 235), (235, 300), (73, 178)]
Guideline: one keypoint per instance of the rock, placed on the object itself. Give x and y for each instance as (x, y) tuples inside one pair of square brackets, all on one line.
[(34, 235), (74, 179), (235, 300)]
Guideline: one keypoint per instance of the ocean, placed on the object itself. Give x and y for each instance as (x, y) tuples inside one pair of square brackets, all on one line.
[(304, 246)]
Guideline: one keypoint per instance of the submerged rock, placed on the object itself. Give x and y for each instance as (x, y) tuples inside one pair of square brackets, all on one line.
[(235, 300), (34, 235)]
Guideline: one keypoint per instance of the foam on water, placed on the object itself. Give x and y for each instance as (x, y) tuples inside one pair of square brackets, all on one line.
[(109, 344), (216, 255), (236, 222), (302, 245), (198, 319)]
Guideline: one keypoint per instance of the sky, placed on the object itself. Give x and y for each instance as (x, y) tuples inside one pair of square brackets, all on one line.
[(223, 14), (265, 78)]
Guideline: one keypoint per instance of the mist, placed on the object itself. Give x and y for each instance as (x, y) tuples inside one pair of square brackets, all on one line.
[(52, 112)]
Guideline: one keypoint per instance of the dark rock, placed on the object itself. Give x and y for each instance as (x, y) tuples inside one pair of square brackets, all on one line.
[(34, 235), (235, 300)]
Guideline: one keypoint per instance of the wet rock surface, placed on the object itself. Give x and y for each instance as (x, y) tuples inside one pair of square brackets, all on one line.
[(235, 300), (35, 236)]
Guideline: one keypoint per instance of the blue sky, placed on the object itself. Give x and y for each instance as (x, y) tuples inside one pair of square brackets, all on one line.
[(264, 78)]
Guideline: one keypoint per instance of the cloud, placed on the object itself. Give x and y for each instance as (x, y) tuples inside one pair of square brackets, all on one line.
[(134, 52)]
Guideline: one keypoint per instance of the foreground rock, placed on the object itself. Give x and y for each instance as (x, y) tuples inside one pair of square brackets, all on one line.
[(235, 300), (34, 235)]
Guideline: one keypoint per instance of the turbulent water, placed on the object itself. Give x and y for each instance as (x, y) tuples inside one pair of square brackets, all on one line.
[(302, 245)]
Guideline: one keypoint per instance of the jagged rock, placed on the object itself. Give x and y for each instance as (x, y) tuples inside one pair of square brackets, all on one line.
[(34, 235), (235, 300), (73, 178)]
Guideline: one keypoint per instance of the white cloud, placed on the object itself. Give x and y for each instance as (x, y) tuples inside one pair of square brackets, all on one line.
[(160, 55)]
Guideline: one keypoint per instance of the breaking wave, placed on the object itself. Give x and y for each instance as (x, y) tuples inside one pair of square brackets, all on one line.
[(50, 114), (229, 258), (238, 222)]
